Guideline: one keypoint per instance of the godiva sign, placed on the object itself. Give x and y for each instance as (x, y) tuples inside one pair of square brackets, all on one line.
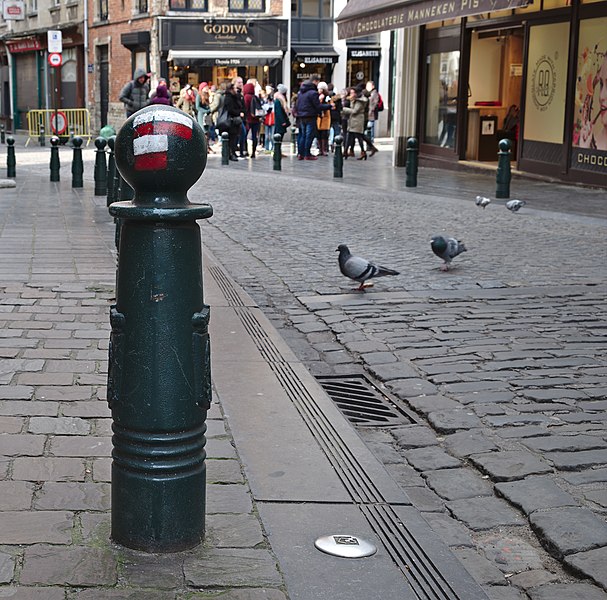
[(366, 17)]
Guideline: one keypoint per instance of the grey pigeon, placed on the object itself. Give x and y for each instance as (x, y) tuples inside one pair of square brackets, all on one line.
[(482, 201), (360, 269), (515, 205), (447, 249)]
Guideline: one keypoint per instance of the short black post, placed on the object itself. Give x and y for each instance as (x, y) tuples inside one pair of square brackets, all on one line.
[(11, 162), (225, 148), (77, 164), (2, 134), (71, 138), (55, 164), (277, 152), (41, 138), (411, 165), (338, 157), (503, 174), (294, 140), (111, 171), (100, 167)]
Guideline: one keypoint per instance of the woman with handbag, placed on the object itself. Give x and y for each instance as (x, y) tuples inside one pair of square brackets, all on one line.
[(230, 117)]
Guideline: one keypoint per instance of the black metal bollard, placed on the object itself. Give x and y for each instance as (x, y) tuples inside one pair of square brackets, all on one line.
[(503, 173), (277, 152), (412, 162), (77, 164), (100, 167), (41, 138), (11, 162), (111, 171), (159, 380), (338, 157), (225, 148), (55, 165), (2, 134), (294, 140)]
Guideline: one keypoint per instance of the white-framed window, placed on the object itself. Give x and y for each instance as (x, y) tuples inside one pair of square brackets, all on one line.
[(33, 6)]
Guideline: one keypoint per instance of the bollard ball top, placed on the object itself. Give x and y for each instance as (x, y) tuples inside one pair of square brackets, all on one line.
[(100, 143), (77, 142), (338, 139), (277, 137), (161, 152), (411, 142), (10, 141), (54, 141), (111, 142), (225, 135), (505, 145)]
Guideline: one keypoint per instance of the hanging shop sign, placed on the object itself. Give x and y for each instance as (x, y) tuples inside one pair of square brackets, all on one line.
[(13, 10), (23, 45)]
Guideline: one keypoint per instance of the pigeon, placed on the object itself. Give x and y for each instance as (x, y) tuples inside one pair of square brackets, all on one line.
[(360, 269), (482, 201), (515, 205), (447, 249)]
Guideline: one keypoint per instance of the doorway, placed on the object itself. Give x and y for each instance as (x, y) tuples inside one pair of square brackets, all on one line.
[(104, 83)]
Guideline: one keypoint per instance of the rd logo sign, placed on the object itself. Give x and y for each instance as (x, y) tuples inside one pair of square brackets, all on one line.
[(54, 59)]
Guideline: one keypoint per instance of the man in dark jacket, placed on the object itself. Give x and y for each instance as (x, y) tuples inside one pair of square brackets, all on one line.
[(308, 107), (135, 93)]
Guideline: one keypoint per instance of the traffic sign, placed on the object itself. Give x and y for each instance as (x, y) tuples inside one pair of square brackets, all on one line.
[(54, 59), (58, 122), (55, 41)]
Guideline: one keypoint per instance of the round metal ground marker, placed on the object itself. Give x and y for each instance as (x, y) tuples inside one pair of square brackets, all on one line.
[(345, 546)]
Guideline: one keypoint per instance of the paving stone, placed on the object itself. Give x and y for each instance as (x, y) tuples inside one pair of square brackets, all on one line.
[(10, 366), (565, 531), (590, 476), (523, 431), (464, 443), (533, 578), (16, 495), (227, 567), (224, 471), (73, 496), (21, 444), (510, 465), (16, 392), (450, 421), (228, 499), (405, 475), (220, 448), (28, 408), (450, 531), (59, 379), (502, 592), (484, 513), (575, 461), (244, 594), (565, 443), (7, 568), (409, 388), (479, 567), (88, 409), (428, 404), (535, 493), (519, 420), (75, 565), (59, 425), (597, 496), (566, 591), (33, 593), (385, 452), (21, 527), (102, 469), (414, 436), (144, 570), (455, 484), (425, 500), (510, 554), (430, 459), (393, 372), (85, 446), (233, 531), (590, 564), (11, 424)]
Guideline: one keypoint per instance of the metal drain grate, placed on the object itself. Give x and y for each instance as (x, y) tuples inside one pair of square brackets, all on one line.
[(362, 402)]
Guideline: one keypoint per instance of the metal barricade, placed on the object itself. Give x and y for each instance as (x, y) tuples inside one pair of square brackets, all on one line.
[(64, 123)]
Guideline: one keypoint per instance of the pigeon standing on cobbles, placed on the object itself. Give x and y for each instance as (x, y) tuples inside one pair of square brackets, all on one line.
[(482, 201), (447, 249), (360, 269), (515, 205)]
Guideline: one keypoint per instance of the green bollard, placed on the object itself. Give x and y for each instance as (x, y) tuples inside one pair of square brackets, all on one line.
[(100, 167), (77, 164), (225, 148), (55, 164), (503, 173), (293, 140), (41, 138), (11, 162), (111, 171), (2, 134), (277, 155), (338, 157), (159, 378), (411, 165)]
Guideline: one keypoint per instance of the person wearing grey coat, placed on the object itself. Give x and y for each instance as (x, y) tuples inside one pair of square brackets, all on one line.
[(135, 93), (357, 120)]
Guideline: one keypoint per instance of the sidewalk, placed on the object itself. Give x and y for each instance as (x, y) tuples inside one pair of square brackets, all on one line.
[(284, 466)]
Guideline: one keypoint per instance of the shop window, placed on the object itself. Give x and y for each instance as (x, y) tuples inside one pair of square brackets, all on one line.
[(441, 98), (200, 5), (102, 10), (247, 5)]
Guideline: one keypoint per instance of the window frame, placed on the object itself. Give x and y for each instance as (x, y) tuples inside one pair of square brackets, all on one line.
[(101, 14), (246, 8), (141, 7), (189, 8)]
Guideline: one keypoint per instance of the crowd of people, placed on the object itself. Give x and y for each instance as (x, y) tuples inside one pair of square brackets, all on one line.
[(252, 114)]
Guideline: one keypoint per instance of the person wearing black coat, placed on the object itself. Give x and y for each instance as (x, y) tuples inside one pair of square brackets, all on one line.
[(234, 107), (308, 107)]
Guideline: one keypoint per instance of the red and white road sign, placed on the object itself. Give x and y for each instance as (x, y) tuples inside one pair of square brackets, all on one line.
[(152, 134), (54, 59), (58, 122)]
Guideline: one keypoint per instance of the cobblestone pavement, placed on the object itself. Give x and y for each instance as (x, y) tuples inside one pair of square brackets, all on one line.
[(502, 358)]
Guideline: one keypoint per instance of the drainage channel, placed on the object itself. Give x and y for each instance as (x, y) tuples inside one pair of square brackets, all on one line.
[(363, 403)]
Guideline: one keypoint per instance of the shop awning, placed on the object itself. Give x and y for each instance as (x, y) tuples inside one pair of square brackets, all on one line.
[(365, 17), (323, 55), (225, 58)]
